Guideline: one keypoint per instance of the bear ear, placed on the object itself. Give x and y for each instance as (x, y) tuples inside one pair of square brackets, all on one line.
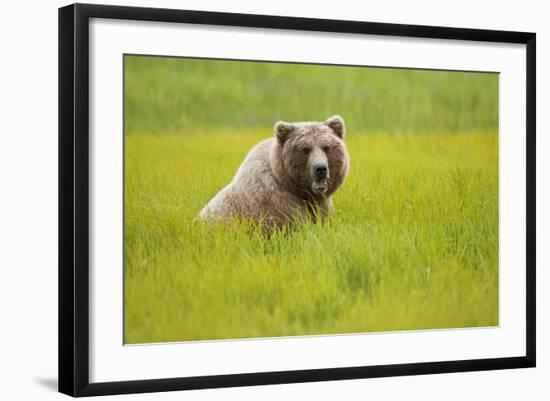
[(336, 123), (283, 130)]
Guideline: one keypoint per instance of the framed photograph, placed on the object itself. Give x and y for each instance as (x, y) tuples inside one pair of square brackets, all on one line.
[(250, 199)]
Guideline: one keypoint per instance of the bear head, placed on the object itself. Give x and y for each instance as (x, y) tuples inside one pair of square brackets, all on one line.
[(313, 156)]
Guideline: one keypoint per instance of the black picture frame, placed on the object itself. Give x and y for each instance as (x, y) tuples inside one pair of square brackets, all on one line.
[(74, 198)]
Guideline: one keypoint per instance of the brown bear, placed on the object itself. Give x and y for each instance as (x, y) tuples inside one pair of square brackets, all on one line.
[(290, 176)]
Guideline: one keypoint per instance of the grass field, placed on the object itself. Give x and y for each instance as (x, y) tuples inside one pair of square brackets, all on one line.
[(413, 243), (170, 95)]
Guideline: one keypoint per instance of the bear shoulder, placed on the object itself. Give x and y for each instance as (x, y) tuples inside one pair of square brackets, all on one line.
[(255, 173), (252, 190)]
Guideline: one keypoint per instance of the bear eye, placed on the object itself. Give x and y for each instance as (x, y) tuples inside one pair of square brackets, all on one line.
[(326, 149), (306, 151)]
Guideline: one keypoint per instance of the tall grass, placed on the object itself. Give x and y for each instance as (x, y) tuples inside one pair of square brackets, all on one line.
[(175, 95), (413, 243)]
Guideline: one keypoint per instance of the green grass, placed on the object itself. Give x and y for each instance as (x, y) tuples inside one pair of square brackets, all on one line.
[(413, 243), (174, 95)]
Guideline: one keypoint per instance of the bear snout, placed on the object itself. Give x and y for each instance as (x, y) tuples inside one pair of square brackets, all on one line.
[(320, 170)]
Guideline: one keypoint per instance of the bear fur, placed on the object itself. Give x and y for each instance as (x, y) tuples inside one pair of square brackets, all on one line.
[(283, 178)]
